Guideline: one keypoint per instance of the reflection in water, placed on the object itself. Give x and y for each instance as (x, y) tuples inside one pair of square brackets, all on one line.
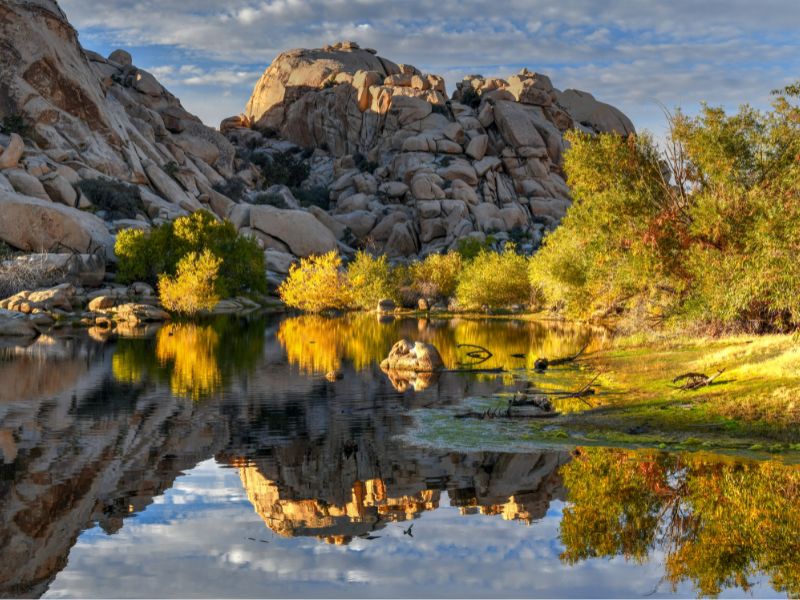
[(94, 435), (720, 523), (319, 344)]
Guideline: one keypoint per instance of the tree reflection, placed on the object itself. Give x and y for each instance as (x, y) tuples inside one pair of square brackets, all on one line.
[(196, 359), (318, 344), (718, 523)]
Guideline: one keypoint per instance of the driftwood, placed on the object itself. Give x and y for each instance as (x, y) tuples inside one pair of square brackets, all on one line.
[(695, 381), (542, 364), (479, 354)]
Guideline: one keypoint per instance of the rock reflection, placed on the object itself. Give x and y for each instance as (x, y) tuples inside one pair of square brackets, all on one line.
[(318, 344), (91, 433)]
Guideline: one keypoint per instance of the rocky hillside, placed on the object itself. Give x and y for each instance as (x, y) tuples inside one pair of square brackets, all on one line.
[(337, 148), (407, 170)]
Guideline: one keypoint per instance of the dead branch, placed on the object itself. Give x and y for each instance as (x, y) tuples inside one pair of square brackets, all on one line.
[(542, 364), (480, 355), (695, 381)]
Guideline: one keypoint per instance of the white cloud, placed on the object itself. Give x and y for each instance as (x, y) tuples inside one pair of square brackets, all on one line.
[(629, 52)]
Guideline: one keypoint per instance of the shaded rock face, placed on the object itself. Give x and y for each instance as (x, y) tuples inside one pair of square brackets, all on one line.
[(83, 117)]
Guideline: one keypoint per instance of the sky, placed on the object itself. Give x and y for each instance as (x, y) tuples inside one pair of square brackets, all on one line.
[(639, 55)]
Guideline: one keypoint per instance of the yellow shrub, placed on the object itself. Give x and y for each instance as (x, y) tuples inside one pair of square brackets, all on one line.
[(436, 277), (193, 287), (494, 279), (371, 280), (317, 283)]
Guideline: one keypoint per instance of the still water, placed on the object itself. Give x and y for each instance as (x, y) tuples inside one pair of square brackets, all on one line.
[(216, 460)]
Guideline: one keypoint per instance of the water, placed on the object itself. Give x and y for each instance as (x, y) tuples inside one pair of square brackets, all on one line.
[(216, 460)]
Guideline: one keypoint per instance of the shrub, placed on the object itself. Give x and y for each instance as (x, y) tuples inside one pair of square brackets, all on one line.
[(16, 124), (171, 168), (314, 196), (283, 168), (144, 256), (26, 273), (470, 97), (232, 188), (436, 277), (269, 199), (194, 286), (469, 247), (714, 240), (363, 164), (316, 284), (371, 279), (119, 200), (494, 279)]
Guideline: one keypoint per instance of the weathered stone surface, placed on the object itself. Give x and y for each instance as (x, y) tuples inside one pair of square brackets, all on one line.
[(583, 108), (477, 146), (35, 225), (135, 313), (417, 357), (60, 190), (26, 184), (278, 261), (299, 230), (15, 324), (9, 158), (101, 303)]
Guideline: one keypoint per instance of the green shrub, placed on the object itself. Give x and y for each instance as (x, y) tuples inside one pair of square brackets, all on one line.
[(494, 279), (145, 256), (317, 283), (16, 124), (371, 279), (314, 196), (470, 247), (232, 188), (119, 200), (283, 168), (194, 286), (363, 164), (171, 168), (713, 242), (470, 97), (269, 199)]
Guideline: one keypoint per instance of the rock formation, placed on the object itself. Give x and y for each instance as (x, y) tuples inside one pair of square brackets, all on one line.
[(351, 150), (83, 116), (408, 171)]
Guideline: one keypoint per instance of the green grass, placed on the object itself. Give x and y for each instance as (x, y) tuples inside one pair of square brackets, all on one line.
[(754, 409)]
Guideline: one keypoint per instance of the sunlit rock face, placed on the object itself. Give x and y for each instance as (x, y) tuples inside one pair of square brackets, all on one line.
[(409, 170)]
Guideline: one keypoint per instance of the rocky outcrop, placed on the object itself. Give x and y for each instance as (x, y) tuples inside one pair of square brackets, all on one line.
[(82, 116), (409, 171)]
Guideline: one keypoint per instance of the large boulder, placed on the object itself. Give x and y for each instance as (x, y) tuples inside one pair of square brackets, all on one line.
[(416, 357), (15, 324), (601, 117), (35, 225), (299, 230)]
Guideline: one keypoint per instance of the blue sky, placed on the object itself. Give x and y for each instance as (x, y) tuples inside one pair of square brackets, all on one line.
[(635, 54)]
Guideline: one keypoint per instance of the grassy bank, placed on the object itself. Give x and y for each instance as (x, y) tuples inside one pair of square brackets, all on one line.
[(753, 407)]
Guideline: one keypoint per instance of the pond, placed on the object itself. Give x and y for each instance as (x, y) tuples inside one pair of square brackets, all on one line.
[(216, 460)]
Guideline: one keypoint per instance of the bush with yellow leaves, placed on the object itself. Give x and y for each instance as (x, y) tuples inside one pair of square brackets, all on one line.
[(316, 284), (494, 279), (193, 288), (371, 279), (436, 277)]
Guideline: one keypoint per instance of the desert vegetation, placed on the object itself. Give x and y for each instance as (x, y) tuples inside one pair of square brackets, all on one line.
[(194, 260)]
